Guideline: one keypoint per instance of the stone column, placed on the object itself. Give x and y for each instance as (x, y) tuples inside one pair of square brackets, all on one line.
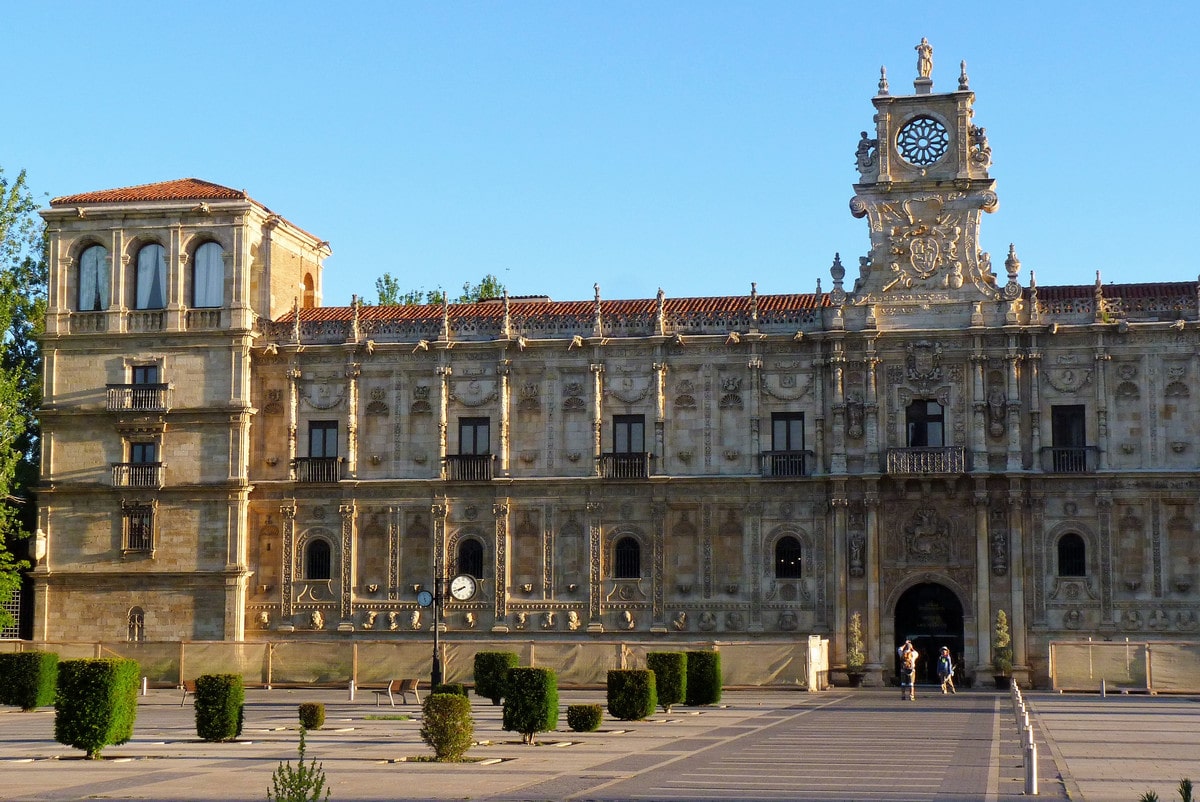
[(177, 261), (838, 504), (1016, 544), (444, 372), (503, 372), (837, 363), (287, 568), (597, 414), (348, 565), (119, 273), (658, 620), (500, 608), (1104, 505), (872, 558), (1034, 358), (979, 407), (660, 415), (983, 582), (353, 374), (293, 376), (1013, 407), (754, 406), (1102, 358), (595, 562), (871, 403)]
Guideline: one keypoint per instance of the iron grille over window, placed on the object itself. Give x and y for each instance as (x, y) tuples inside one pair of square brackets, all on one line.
[(788, 558), (318, 560), (1072, 555), (627, 559), (138, 523)]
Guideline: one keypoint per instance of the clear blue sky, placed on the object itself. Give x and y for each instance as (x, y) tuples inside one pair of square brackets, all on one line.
[(695, 146)]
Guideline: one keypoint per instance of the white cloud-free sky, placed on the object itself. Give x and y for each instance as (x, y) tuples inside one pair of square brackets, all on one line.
[(696, 146)]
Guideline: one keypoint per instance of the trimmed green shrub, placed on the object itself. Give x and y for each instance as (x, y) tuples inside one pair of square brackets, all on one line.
[(300, 784), (220, 700), (670, 677), (446, 725), (28, 679), (96, 703), (631, 694), (452, 687), (312, 716), (530, 701), (491, 670), (584, 718), (703, 678)]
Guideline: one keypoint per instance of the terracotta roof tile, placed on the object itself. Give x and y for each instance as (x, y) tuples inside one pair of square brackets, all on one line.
[(185, 189)]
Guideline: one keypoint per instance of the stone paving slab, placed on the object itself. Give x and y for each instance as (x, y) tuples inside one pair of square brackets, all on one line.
[(862, 744)]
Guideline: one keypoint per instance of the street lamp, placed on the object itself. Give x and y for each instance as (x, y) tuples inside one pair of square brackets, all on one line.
[(462, 588)]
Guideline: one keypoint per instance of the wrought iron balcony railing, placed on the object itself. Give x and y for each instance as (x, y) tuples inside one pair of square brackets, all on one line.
[(1076, 459), (137, 397), (469, 467), (926, 461), (625, 466), (786, 464), (137, 474), (318, 469)]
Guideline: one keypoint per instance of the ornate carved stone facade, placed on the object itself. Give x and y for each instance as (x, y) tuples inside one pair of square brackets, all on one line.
[(926, 446)]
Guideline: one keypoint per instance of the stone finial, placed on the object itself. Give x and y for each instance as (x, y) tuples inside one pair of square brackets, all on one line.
[(296, 319), (355, 330), (598, 323), (507, 317), (754, 304), (964, 83), (838, 271), (1012, 264), (661, 312), (1098, 311), (883, 83), (445, 317)]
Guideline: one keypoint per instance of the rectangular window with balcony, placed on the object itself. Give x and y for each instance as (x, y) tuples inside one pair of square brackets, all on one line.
[(474, 436), (142, 468), (786, 457), (1068, 438)]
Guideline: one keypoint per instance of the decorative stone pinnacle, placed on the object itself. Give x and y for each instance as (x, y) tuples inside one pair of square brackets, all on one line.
[(1012, 264), (963, 81), (883, 83)]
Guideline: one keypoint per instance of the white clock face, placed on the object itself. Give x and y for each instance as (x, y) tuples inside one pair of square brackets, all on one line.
[(462, 587)]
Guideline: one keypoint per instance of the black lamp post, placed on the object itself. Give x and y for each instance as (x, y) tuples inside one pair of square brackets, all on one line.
[(435, 677)]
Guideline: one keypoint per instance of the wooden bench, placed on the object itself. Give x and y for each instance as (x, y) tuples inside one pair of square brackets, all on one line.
[(188, 686), (403, 687)]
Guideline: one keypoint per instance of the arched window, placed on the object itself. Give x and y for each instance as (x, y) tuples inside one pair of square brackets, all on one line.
[(310, 292), (151, 277), (627, 559), (788, 558), (93, 279), (208, 276), (470, 557), (318, 560), (137, 625), (1072, 555)]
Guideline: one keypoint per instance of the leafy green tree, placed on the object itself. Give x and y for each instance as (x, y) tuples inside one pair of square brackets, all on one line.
[(22, 317), (387, 287)]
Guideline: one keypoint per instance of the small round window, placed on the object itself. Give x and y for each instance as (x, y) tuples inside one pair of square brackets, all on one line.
[(922, 141)]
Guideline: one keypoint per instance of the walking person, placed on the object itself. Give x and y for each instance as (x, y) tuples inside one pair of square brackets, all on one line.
[(945, 670), (908, 671)]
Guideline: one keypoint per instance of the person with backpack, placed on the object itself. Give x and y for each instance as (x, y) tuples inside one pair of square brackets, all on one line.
[(908, 671), (945, 670)]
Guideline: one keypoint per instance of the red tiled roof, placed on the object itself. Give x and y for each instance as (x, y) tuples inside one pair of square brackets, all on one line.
[(185, 189), (729, 304), (1065, 292)]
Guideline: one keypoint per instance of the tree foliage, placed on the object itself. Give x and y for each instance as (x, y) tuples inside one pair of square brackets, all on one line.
[(390, 294), (22, 317)]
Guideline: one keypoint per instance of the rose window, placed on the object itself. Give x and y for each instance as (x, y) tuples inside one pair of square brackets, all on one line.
[(922, 141)]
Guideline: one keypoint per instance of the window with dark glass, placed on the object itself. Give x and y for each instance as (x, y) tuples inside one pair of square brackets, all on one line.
[(93, 279), (318, 560), (474, 436), (1068, 428), (144, 374), (787, 431), (925, 424), (151, 278), (208, 276), (470, 557), (323, 439), (142, 453), (627, 559), (1072, 555), (788, 558), (629, 434)]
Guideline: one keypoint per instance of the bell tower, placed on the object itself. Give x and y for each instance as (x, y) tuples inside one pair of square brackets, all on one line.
[(923, 183)]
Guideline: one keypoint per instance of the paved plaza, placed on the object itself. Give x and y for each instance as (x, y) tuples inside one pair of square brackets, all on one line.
[(864, 744)]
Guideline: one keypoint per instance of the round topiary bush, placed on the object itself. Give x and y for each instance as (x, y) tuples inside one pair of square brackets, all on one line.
[(312, 715), (584, 718), (446, 725), (631, 694)]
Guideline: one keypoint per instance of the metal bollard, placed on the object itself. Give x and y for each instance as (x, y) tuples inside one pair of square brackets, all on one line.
[(1103, 692), (1031, 787), (351, 690), (145, 685), (1025, 719), (1029, 737)]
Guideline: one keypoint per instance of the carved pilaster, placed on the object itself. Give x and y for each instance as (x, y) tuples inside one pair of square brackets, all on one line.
[(1102, 358), (754, 513), (353, 375), (288, 568), (1104, 505), (503, 371), (293, 376), (348, 561), (444, 372), (658, 559), (1034, 359), (597, 414), (500, 511), (393, 559), (595, 564)]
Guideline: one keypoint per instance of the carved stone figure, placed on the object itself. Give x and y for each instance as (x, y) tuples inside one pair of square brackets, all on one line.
[(735, 620), (854, 416), (996, 404), (264, 619), (470, 620), (787, 621), (573, 621), (924, 58), (414, 620), (393, 622), (369, 619), (522, 620), (864, 155), (627, 621), (549, 620), (858, 545), (680, 622), (999, 553), (316, 619), (708, 621), (1159, 620), (1185, 620), (1133, 619), (1073, 619)]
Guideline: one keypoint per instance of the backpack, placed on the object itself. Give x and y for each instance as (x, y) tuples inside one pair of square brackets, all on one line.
[(909, 660)]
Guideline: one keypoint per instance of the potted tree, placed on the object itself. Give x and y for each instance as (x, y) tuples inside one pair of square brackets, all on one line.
[(856, 656), (1002, 653)]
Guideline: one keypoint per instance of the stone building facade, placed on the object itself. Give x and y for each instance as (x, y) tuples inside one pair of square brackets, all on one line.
[(927, 443)]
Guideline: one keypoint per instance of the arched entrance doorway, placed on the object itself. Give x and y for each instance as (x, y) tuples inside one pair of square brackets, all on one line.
[(931, 616)]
